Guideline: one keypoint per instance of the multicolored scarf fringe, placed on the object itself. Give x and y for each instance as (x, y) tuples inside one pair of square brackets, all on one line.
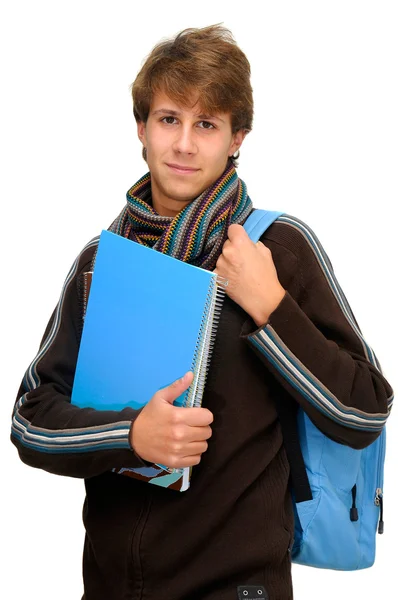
[(197, 233)]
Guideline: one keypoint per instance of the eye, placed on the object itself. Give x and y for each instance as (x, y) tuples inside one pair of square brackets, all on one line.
[(207, 123), (164, 119)]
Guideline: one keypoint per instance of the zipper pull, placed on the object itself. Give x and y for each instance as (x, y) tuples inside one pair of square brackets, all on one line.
[(353, 509), (379, 503)]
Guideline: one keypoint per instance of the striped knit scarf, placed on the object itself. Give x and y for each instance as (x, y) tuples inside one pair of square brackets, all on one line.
[(197, 233)]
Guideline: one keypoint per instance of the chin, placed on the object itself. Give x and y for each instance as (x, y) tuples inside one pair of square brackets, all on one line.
[(183, 189), (184, 195)]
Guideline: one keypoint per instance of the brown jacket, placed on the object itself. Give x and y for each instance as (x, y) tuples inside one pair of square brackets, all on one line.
[(234, 525)]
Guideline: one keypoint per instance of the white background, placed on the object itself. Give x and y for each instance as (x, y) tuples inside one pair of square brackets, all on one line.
[(323, 147)]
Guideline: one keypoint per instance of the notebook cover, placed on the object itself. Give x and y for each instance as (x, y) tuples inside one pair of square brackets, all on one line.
[(141, 328)]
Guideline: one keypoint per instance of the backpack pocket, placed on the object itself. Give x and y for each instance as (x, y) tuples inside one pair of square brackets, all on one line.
[(336, 529)]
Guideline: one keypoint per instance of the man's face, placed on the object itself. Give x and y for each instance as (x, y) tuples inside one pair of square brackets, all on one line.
[(184, 137)]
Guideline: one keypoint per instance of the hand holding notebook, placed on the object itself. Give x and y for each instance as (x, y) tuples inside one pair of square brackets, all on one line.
[(171, 435)]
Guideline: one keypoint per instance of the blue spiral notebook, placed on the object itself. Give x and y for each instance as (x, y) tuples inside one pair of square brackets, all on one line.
[(150, 318)]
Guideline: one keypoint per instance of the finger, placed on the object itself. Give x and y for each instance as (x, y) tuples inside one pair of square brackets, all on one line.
[(197, 416), (198, 434), (175, 389), (188, 461), (195, 448), (227, 243), (237, 234)]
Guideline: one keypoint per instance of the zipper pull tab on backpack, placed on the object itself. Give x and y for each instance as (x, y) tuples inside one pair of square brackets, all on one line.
[(379, 503), (353, 509)]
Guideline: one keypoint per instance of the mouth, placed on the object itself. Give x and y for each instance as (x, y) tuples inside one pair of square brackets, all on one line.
[(182, 170)]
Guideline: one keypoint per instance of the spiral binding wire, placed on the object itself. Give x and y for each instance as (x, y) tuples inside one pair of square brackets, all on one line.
[(203, 350), (206, 339)]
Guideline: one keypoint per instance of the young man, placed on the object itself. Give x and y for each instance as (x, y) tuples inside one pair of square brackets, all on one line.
[(234, 526)]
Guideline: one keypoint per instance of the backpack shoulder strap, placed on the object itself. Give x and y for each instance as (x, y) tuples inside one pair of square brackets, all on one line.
[(258, 221), (255, 225)]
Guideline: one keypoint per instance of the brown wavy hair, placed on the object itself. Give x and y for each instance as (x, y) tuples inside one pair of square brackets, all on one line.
[(204, 61)]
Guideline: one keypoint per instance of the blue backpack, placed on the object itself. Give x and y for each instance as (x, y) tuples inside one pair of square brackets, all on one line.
[(337, 491)]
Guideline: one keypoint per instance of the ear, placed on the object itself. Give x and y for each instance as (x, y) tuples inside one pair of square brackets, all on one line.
[(237, 140), (141, 132)]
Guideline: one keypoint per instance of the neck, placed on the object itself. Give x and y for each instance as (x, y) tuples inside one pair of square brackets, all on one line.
[(197, 233)]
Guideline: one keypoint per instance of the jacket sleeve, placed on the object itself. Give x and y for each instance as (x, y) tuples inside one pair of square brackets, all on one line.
[(49, 432), (314, 347)]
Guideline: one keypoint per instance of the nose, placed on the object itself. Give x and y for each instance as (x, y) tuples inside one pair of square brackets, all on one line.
[(184, 141)]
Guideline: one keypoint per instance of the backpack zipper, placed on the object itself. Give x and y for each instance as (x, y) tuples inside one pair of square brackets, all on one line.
[(379, 503), (379, 491), (378, 500)]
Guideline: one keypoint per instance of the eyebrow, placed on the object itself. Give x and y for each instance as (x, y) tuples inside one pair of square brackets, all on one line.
[(176, 113)]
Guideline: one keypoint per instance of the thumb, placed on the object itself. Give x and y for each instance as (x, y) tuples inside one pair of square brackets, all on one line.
[(237, 233), (175, 389)]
